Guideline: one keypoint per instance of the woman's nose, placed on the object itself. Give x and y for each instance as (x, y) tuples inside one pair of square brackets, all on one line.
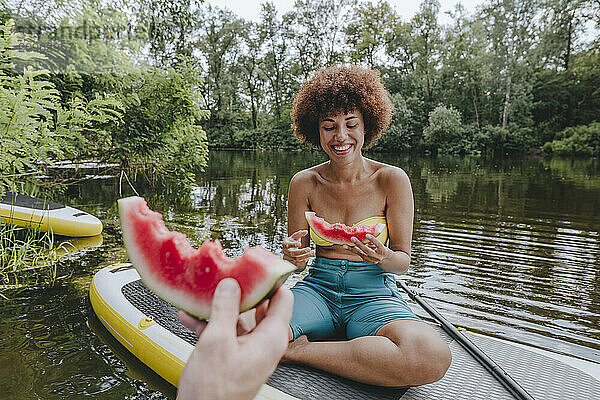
[(341, 133)]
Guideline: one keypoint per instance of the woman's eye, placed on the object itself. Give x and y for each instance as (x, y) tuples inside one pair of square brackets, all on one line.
[(328, 128), (352, 126)]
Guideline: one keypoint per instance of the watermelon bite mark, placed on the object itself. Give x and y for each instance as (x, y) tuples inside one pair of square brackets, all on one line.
[(187, 277)]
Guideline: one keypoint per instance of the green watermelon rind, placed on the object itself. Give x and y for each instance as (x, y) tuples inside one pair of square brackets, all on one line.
[(277, 269), (320, 227)]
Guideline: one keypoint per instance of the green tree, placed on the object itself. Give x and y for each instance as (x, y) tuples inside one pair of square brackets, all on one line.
[(585, 94), (553, 93), (369, 32), (401, 135), (511, 31), (427, 44), (250, 68), (563, 24), (169, 25), (316, 27), (219, 36), (461, 75), (161, 131), (416, 48), (276, 58)]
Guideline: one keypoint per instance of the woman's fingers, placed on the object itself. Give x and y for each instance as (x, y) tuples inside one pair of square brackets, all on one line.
[(299, 261), (376, 243), (363, 247), (372, 252), (299, 234), (294, 239), (305, 251)]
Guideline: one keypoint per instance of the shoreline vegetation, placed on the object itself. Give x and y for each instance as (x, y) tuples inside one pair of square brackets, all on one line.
[(149, 86), (27, 258)]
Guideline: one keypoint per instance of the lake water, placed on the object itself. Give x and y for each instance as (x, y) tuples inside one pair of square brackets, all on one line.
[(509, 248)]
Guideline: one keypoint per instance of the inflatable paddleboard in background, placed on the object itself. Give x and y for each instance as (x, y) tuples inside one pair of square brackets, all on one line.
[(148, 328), (47, 216)]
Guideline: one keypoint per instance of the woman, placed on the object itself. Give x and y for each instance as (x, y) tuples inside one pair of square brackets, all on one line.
[(350, 290)]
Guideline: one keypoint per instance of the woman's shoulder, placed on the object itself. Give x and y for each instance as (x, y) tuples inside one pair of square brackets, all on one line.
[(388, 174), (308, 175)]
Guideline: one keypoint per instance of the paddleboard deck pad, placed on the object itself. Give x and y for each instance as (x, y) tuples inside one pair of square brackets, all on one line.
[(47, 216), (148, 327)]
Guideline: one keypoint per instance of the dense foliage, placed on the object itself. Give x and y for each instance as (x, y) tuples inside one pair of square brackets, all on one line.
[(128, 81), (582, 139), (66, 97)]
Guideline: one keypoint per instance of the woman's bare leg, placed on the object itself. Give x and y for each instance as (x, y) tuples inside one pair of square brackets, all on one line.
[(403, 353)]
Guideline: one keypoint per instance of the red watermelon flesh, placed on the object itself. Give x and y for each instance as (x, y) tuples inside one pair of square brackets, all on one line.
[(187, 277), (339, 233)]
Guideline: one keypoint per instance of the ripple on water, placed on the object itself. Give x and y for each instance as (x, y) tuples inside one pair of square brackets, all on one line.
[(524, 278)]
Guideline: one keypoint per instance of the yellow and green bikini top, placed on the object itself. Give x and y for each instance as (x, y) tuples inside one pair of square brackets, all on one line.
[(382, 237)]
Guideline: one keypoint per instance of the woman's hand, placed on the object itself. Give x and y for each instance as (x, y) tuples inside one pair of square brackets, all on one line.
[(373, 252), (293, 252)]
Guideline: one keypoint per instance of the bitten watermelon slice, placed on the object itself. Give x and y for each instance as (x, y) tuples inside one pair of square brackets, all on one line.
[(340, 233), (187, 277)]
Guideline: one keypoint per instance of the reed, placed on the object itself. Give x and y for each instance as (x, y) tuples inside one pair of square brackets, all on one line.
[(27, 258)]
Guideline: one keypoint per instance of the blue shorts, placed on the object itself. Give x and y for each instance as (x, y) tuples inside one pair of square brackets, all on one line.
[(347, 299)]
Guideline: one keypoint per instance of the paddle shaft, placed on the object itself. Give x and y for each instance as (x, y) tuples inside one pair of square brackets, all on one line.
[(502, 376)]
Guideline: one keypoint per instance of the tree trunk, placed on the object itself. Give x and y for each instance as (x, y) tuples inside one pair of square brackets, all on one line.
[(476, 112), (253, 109), (569, 35), (507, 98)]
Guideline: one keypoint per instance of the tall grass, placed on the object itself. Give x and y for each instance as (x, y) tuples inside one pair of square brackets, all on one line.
[(27, 258)]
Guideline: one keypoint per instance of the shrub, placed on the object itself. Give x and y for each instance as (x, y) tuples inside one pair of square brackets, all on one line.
[(36, 129), (496, 139), (577, 140), (445, 132)]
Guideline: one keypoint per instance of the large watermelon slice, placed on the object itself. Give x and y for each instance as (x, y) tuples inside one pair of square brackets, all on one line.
[(187, 277), (339, 233)]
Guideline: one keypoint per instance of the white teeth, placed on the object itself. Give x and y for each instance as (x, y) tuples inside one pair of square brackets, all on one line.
[(341, 148)]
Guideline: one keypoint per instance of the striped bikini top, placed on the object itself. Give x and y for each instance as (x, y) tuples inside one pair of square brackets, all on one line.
[(382, 237)]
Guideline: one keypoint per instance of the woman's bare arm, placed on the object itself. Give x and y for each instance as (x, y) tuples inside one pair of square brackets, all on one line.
[(296, 247)]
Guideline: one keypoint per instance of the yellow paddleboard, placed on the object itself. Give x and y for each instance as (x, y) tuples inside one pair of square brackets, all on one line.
[(47, 216)]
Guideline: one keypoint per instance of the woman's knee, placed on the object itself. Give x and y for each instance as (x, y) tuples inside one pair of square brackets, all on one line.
[(424, 353), (430, 355)]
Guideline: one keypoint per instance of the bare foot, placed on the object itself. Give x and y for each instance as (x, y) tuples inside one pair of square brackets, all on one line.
[(294, 349)]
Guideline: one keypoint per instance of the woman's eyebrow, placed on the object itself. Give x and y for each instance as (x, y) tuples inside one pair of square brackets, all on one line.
[(333, 120)]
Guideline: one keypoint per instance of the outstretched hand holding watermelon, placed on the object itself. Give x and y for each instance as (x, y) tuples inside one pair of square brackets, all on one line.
[(225, 364)]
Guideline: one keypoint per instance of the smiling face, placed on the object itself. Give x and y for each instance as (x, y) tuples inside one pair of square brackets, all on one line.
[(342, 135)]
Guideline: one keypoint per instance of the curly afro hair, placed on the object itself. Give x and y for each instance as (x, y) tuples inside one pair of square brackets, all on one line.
[(342, 89)]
